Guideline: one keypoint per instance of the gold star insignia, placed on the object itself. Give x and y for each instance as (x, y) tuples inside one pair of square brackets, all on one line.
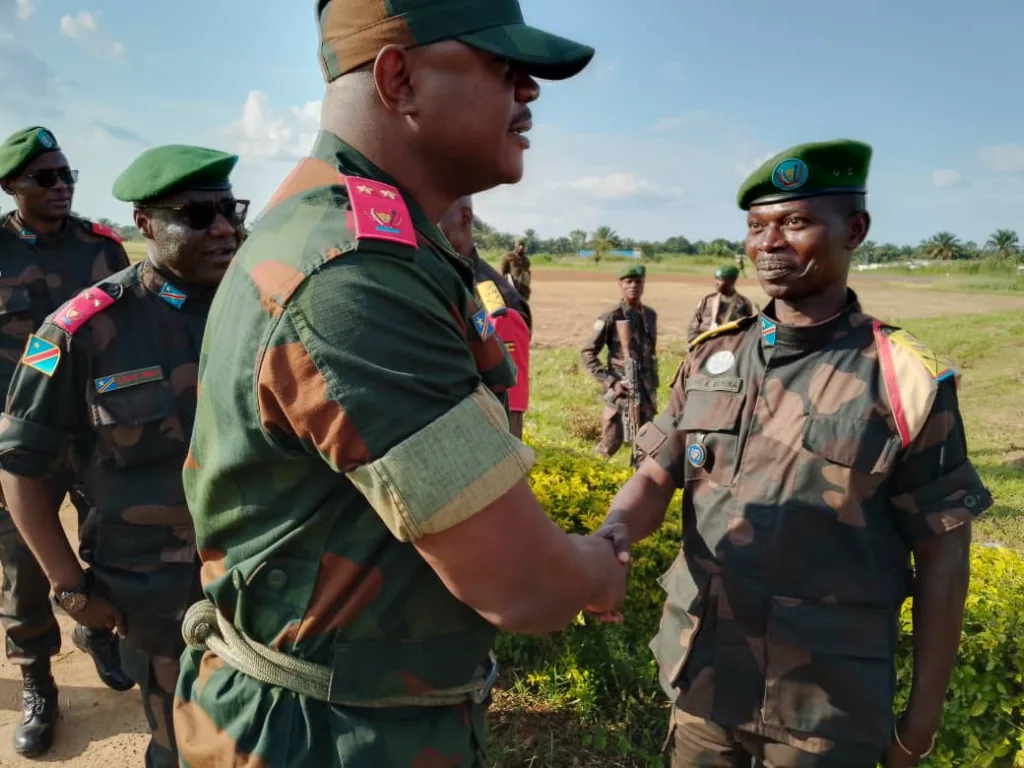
[(388, 194), (365, 189)]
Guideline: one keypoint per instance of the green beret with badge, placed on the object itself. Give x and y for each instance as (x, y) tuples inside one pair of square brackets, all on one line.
[(837, 167), (637, 271), (22, 147), (728, 272), (172, 168), (353, 32)]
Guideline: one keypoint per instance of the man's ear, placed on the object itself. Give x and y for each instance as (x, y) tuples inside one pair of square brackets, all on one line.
[(860, 225), (144, 223), (7, 187), (392, 76)]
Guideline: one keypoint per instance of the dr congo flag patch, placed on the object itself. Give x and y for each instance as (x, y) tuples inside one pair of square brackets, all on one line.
[(41, 355)]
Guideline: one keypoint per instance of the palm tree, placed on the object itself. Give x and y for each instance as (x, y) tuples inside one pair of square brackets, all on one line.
[(945, 246), (579, 239), (604, 240), (1005, 244)]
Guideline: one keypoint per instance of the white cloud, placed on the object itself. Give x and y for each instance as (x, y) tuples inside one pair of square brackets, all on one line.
[(679, 121), (1003, 157), (613, 186), (272, 133), (85, 29), (24, 9), (945, 177)]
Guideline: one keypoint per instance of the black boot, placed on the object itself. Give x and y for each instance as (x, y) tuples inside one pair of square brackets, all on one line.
[(34, 735), (104, 647)]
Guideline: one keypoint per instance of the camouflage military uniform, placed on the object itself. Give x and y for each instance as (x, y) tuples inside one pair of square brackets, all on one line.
[(124, 386), (515, 267), (813, 458), (334, 381), (715, 310), (644, 350), (35, 279)]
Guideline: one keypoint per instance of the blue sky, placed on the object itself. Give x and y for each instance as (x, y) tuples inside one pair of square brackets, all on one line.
[(682, 99)]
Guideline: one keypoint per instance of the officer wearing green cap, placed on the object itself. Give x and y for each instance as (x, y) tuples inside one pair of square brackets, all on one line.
[(361, 509), (612, 375), (113, 372), (46, 257), (723, 306), (819, 448)]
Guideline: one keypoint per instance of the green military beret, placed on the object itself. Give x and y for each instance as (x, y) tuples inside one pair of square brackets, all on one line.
[(170, 168), (352, 33), (22, 147), (727, 272), (808, 170), (638, 271)]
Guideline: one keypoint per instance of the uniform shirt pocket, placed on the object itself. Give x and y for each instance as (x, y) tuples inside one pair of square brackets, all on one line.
[(137, 425), (867, 446), (711, 421)]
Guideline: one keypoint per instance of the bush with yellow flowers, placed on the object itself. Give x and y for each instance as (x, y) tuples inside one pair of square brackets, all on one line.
[(607, 676)]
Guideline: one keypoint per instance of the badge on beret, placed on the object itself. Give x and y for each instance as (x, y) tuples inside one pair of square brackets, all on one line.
[(720, 362), (697, 455), (46, 139), (790, 174)]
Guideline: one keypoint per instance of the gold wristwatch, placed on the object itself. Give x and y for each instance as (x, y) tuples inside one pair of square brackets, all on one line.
[(73, 601)]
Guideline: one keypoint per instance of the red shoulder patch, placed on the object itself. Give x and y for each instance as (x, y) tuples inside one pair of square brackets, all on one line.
[(77, 312), (104, 231), (379, 212)]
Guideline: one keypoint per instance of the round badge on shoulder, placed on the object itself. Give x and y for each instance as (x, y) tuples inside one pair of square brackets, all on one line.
[(697, 454), (46, 139), (720, 362)]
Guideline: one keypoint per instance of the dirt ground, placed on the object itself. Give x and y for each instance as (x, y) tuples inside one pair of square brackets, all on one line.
[(100, 727)]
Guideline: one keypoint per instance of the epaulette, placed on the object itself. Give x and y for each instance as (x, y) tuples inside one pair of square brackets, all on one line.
[(911, 373), (378, 212), (86, 305), (102, 230), (491, 296), (734, 325)]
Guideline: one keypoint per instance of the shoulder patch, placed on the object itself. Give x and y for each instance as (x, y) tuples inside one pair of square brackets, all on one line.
[(735, 325), (104, 231), (77, 312), (379, 212), (41, 355), (491, 296), (911, 374)]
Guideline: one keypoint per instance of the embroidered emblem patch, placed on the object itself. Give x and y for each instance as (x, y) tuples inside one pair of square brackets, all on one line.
[(129, 379), (173, 296), (482, 322), (720, 362), (697, 455), (491, 296), (935, 366), (27, 236), (46, 139), (790, 174), (768, 329), (379, 212), (41, 355), (77, 312), (598, 325)]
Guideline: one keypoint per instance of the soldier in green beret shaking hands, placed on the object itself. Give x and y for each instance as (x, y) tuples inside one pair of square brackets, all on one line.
[(636, 322), (820, 449), (46, 257), (113, 372), (724, 306)]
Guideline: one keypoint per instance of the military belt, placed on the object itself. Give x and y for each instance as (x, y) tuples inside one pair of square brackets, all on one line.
[(205, 629)]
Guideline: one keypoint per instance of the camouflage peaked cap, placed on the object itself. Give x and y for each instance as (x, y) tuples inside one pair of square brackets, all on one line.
[(21, 148), (352, 33), (837, 167)]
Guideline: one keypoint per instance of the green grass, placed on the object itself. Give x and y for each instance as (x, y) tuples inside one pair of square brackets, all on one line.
[(136, 249)]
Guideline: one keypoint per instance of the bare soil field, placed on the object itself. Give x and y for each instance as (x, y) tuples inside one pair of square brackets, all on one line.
[(100, 727), (566, 303)]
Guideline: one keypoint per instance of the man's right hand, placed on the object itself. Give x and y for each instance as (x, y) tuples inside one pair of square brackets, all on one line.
[(610, 572), (99, 614)]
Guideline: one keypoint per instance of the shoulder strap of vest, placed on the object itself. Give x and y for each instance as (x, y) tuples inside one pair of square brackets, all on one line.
[(911, 373), (86, 305)]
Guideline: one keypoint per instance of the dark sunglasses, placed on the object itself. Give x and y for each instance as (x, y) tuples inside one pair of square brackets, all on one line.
[(201, 215), (48, 177)]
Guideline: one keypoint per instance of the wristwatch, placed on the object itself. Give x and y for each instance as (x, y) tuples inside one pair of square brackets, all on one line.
[(73, 601)]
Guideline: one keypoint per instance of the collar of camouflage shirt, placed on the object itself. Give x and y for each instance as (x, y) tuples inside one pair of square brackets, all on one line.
[(805, 338)]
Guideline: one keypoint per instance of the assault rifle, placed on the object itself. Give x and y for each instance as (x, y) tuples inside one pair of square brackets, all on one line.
[(631, 413)]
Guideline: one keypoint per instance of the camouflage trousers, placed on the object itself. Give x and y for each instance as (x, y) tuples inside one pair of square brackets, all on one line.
[(612, 433), (157, 677), (699, 743)]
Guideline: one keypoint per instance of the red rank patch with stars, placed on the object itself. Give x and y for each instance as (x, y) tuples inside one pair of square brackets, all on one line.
[(379, 212)]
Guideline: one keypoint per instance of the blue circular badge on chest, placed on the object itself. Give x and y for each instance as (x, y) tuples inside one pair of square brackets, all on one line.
[(697, 455), (790, 174)]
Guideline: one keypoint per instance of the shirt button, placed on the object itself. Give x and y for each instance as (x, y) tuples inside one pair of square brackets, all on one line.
[(970, 501), (277, 579)]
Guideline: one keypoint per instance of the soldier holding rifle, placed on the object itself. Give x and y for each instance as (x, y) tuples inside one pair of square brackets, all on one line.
[(630, 378)]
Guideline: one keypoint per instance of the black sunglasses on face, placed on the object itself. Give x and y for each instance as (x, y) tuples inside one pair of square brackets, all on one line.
[(48, 177), (201, 215)]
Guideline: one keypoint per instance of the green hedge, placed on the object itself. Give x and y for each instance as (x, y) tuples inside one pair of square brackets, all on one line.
[(607, 676)]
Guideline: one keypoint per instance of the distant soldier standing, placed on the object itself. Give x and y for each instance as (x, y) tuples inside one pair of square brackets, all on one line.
[(515, 267), (643, 323), (115, 371), (46, 257), (818, 449), (723, 306)]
